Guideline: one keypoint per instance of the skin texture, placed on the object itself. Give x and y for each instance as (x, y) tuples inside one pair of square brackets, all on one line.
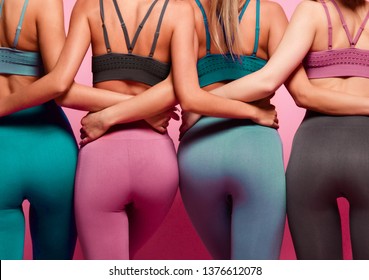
[(50, 31), (337, 96)]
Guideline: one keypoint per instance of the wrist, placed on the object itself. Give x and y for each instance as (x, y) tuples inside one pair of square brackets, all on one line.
[(252, 113), (108, 118)]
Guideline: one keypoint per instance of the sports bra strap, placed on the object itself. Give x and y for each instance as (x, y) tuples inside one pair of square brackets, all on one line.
[(208, 40), (157, 32), (243, 10), (352, 41), (20, 23), (106, 38), (257, 28), (330, 31), (130, 45), (1, 7), (361, 28)]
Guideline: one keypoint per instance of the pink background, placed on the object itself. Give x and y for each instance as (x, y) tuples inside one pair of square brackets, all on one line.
[(176, 238)]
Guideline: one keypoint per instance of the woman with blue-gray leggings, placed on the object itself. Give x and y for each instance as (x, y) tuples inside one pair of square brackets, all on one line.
[(231, 170)]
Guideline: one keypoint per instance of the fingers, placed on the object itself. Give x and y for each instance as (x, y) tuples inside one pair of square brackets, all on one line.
[(175, 116), (83, 133), (85, 141), (161, 129)]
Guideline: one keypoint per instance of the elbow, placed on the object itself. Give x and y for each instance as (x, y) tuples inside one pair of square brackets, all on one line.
[(270, 85), (60, 88), (301, 100), (186, 100), (170, 99), (59, 85), (186, 105), (190, 104)]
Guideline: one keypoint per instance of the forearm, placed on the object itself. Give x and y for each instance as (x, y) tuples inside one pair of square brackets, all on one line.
[(255, 86), (32, 95), (90, 99), (153, 101), (207, 104), (324, 100)]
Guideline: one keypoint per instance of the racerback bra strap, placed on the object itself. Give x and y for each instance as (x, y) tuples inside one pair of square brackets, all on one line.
[(130, 46), (207, 32), (157, 32), (20, 23), (105, 32), (330, 29), (257, 26), (1, 7), (352, 41)]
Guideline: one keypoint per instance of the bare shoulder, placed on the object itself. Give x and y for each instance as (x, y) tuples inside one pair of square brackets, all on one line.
[(47, 5), (271, 9), (309, 8), (86, 9), (192, 3), (309, 11), (180, 8), (180, 11), (272, 15)]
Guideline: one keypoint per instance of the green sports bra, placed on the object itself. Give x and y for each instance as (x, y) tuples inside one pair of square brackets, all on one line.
[(213, 68)]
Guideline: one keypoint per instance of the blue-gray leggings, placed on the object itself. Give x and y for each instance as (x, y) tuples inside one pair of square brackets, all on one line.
[(232, 183)]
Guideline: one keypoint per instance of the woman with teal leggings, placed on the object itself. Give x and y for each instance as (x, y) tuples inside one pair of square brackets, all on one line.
[(37, 160), (231, 170)]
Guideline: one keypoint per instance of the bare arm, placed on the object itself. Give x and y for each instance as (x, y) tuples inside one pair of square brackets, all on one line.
[(288, 57), (324, 100), (51, 39), (191, 96), (60, 79)]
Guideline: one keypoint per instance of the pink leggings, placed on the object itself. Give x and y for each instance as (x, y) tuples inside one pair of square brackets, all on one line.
[(125, 184)]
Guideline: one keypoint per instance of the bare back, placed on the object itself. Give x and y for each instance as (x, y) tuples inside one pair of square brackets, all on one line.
[(133, 13), (28, 39), (352, 85), (269, 37)]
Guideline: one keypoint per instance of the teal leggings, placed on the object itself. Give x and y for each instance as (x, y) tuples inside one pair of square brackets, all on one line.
[(38, 158), (232, 184)]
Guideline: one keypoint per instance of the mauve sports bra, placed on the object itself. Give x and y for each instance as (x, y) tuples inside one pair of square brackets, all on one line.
[(213, 68), (347, 62), (119, 66), (18, 62)]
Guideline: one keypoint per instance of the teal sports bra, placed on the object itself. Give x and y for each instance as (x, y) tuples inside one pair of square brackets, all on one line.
[(18, 62), (213, 68)]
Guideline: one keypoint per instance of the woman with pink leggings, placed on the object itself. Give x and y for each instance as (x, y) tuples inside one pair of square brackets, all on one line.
[(125, 185), (126, 180)]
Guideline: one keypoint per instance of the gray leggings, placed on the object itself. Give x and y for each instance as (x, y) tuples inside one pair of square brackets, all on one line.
[(329, 159)]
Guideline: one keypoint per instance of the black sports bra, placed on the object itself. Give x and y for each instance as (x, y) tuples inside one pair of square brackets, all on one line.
[(120, 66)]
